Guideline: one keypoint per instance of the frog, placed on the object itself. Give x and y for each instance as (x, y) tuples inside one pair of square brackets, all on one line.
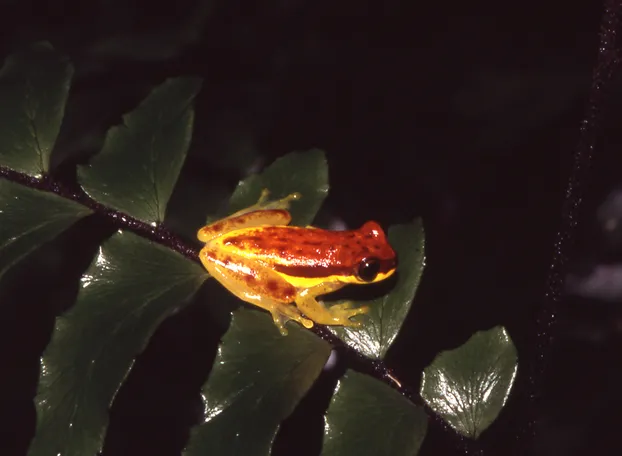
[(263, 260)]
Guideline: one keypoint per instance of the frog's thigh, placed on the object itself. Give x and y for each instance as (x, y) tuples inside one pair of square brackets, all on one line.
[(339, 314), (247, 220), (265, 289), (259, 214)]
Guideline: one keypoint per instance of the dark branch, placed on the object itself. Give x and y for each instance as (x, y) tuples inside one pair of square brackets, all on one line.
[(158, 234)]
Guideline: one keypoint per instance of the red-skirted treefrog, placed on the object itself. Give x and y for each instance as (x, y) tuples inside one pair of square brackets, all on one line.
[(283, 269)]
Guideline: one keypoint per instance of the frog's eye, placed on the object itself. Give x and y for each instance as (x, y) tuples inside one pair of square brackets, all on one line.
[(368, 269)]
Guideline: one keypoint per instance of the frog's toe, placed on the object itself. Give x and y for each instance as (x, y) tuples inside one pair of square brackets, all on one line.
[(345, 311), (293, 197), (300, 319), (285, 313), (279, 321), (263, 197)]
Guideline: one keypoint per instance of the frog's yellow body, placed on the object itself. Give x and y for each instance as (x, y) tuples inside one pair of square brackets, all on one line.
[(265, 262)]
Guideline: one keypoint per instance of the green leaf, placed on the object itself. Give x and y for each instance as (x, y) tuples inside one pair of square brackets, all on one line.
[(469, 386), (257, 379), (140, 162), (366, 417), (131, 286), (29, 218), (302, 172), (33, 88), (384, 320)]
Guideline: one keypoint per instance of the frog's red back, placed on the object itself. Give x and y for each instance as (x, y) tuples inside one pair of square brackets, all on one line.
[(314, 252)]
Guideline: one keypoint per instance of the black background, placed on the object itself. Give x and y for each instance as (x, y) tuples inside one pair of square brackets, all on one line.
[(468, 114)]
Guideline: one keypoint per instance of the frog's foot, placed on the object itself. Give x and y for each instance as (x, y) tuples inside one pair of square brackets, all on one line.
[(282, 203), (265, 194), (283, 313), (343, 311)]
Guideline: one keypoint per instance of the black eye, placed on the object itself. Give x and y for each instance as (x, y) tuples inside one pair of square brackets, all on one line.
[(368, 269)]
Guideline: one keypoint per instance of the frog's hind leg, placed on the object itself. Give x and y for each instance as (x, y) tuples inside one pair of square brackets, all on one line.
[(259, 214), (265, 289)]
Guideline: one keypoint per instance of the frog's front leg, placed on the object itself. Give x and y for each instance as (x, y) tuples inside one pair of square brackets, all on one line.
[(259, 214), (338, 314)]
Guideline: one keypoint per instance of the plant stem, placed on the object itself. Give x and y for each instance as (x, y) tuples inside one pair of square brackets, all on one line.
[(121, 220)]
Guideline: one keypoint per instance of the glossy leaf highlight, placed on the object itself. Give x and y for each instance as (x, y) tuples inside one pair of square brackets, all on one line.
[(366, 417), (34, 85), (386, 316), (140, 161), (131, 286), (29, 218), (469, 386), (257, 379), (302, 172)]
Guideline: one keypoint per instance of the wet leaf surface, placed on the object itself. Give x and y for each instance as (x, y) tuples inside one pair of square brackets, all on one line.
[(258, 378), (366, 417), (140, 161), (468, 386), (131, 286), (29, 218), (34, 85)]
